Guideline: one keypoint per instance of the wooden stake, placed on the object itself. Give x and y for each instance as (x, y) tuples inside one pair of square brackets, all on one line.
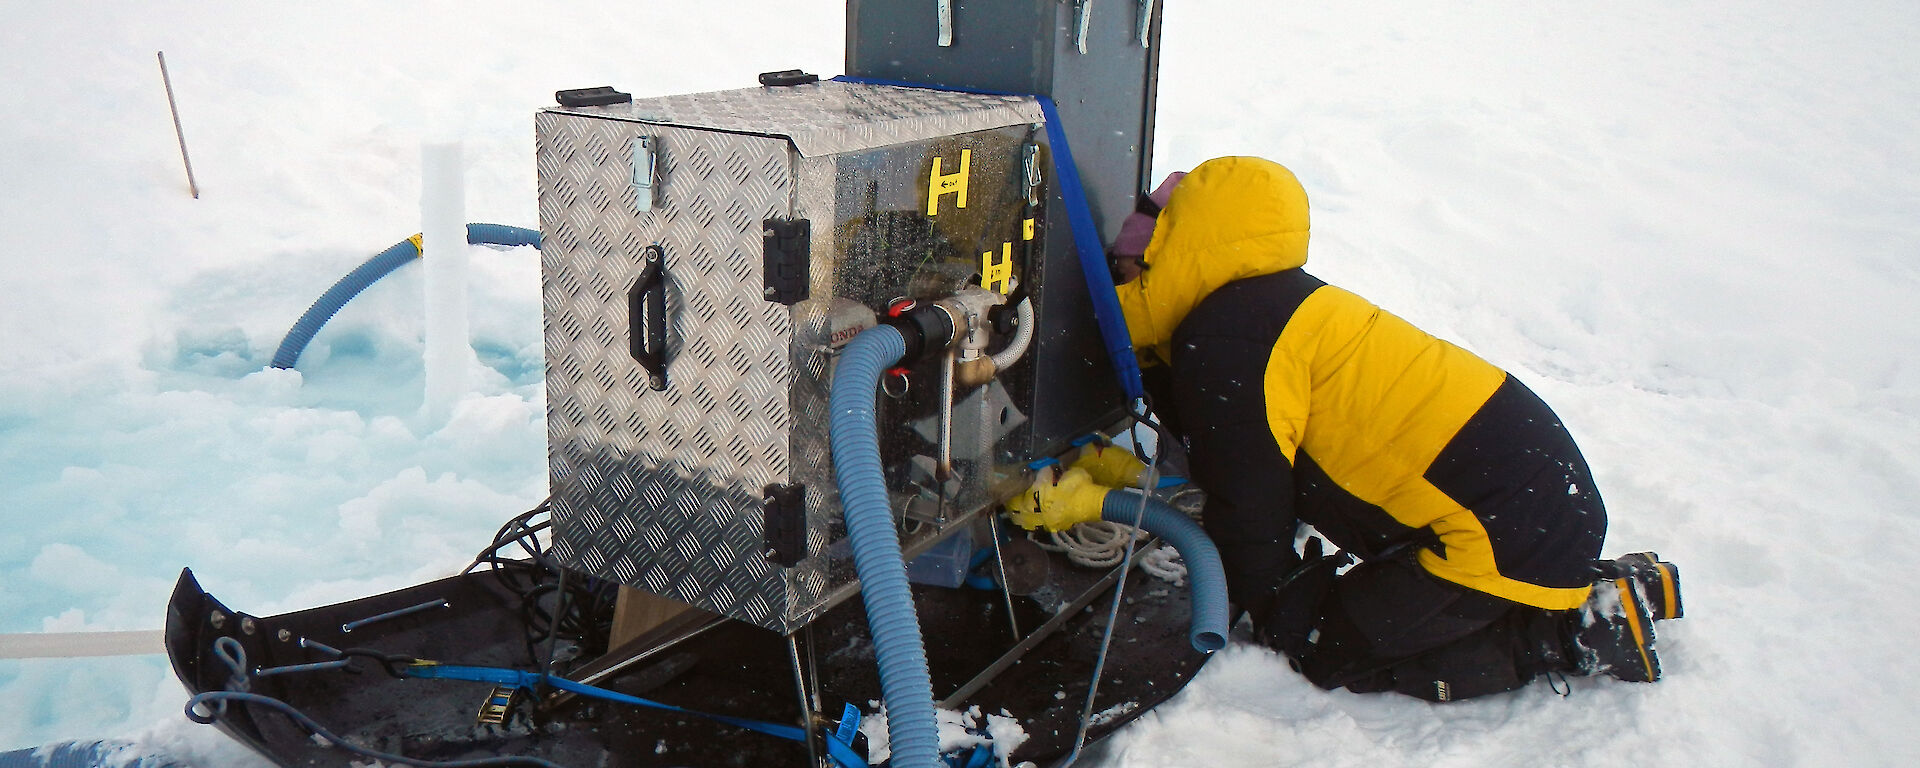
[(175, 108)]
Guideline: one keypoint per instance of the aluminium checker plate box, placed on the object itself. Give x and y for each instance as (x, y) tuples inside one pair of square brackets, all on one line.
[(909, 193)]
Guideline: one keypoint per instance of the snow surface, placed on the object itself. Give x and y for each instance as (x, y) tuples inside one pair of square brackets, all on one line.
[(1693, 227)]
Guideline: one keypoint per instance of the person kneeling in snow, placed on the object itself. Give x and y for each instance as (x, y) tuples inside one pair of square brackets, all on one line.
[(1473, 516)]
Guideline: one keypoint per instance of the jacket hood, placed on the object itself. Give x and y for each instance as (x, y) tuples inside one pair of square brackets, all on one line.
[(1231, 218)]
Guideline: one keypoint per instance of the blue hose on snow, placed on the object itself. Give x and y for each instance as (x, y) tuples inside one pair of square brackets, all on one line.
[(370, 272), (912, 731), (1206, 577)]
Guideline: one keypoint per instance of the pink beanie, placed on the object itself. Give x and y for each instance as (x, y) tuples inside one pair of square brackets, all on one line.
[(1137, 230)]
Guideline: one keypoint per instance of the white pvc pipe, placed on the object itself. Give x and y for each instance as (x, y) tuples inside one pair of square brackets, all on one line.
[(1022, 336), (74, 645), (443, 249)]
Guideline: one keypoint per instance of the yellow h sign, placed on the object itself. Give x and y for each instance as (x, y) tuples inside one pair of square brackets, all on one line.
[(952, 183), (997, 275)]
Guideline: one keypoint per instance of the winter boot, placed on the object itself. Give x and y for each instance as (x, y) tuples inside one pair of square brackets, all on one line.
[(1613, 633), (1541, 643), (1658, 582)]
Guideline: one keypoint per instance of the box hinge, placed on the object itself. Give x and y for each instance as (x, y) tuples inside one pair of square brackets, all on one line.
[(784, 523), (788, 243)]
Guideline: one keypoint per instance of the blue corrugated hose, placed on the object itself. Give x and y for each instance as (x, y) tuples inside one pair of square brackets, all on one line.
[(1206, 578), (370, 272), (912, 730)]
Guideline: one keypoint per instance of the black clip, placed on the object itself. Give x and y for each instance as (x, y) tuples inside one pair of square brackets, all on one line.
[(591, 97), (787, 77)]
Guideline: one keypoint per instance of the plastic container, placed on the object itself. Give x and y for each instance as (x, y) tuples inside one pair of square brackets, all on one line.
[(946, 564)]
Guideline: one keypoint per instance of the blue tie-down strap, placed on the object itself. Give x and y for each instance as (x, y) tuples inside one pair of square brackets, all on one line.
[(839, 741), (1086, 238), (979, 575), (840, 746), (532, 680), (976, 757)]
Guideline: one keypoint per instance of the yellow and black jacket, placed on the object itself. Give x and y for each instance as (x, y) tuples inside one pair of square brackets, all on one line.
[(1303, 402)]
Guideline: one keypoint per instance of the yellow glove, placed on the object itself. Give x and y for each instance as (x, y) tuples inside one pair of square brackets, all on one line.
[(1057, 506), (1111, 466)]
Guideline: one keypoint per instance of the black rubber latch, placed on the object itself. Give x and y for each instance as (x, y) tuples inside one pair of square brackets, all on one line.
[(787, 260), (592, 97), (1002, 318), (788, 77), (784, 524)]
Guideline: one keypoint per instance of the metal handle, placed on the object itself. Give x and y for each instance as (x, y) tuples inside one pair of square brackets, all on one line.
[(1083, 17), (647, 317)]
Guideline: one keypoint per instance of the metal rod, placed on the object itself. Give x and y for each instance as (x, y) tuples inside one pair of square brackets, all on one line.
[(1046, 630), (944, 474), (1083, 10), (319, 646), (1000, 564), (291, 668), (353, 625), (806, 708), (553, 623), (561, 697), (813, 669), (192, 185), (638, 657), (1113, 616), (946, 421)]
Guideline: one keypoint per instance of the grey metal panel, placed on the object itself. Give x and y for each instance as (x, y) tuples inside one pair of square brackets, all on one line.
[(662, 490), (998, 45), (828, 117)]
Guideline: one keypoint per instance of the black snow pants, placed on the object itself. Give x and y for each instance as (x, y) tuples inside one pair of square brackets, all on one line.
[(1390, 626)]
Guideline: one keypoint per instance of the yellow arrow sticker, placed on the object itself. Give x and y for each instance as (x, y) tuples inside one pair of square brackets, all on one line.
[(955, 183)]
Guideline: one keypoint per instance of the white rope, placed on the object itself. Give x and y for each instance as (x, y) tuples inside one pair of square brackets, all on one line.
[(1165, 564), (1103, 544)]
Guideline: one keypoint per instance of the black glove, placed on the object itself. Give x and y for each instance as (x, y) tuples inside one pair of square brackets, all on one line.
[(1288, 616)]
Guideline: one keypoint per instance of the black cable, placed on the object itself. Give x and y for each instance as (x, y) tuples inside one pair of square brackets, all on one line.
[(579, 612), (1142, 413), (221, 698)]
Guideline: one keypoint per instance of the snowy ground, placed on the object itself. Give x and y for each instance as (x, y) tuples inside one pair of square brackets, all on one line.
[(1693, 227)]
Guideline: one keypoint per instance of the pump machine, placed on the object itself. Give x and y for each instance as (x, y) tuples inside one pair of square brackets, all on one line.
[(802, 340)]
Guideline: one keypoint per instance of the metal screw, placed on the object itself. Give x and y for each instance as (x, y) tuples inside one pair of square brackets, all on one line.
[(285, 635), (246, 625), (218, 619)]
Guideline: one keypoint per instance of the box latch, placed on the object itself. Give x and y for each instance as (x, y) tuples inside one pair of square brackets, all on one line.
[(643, 174), (788, 243), (784, 523)]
